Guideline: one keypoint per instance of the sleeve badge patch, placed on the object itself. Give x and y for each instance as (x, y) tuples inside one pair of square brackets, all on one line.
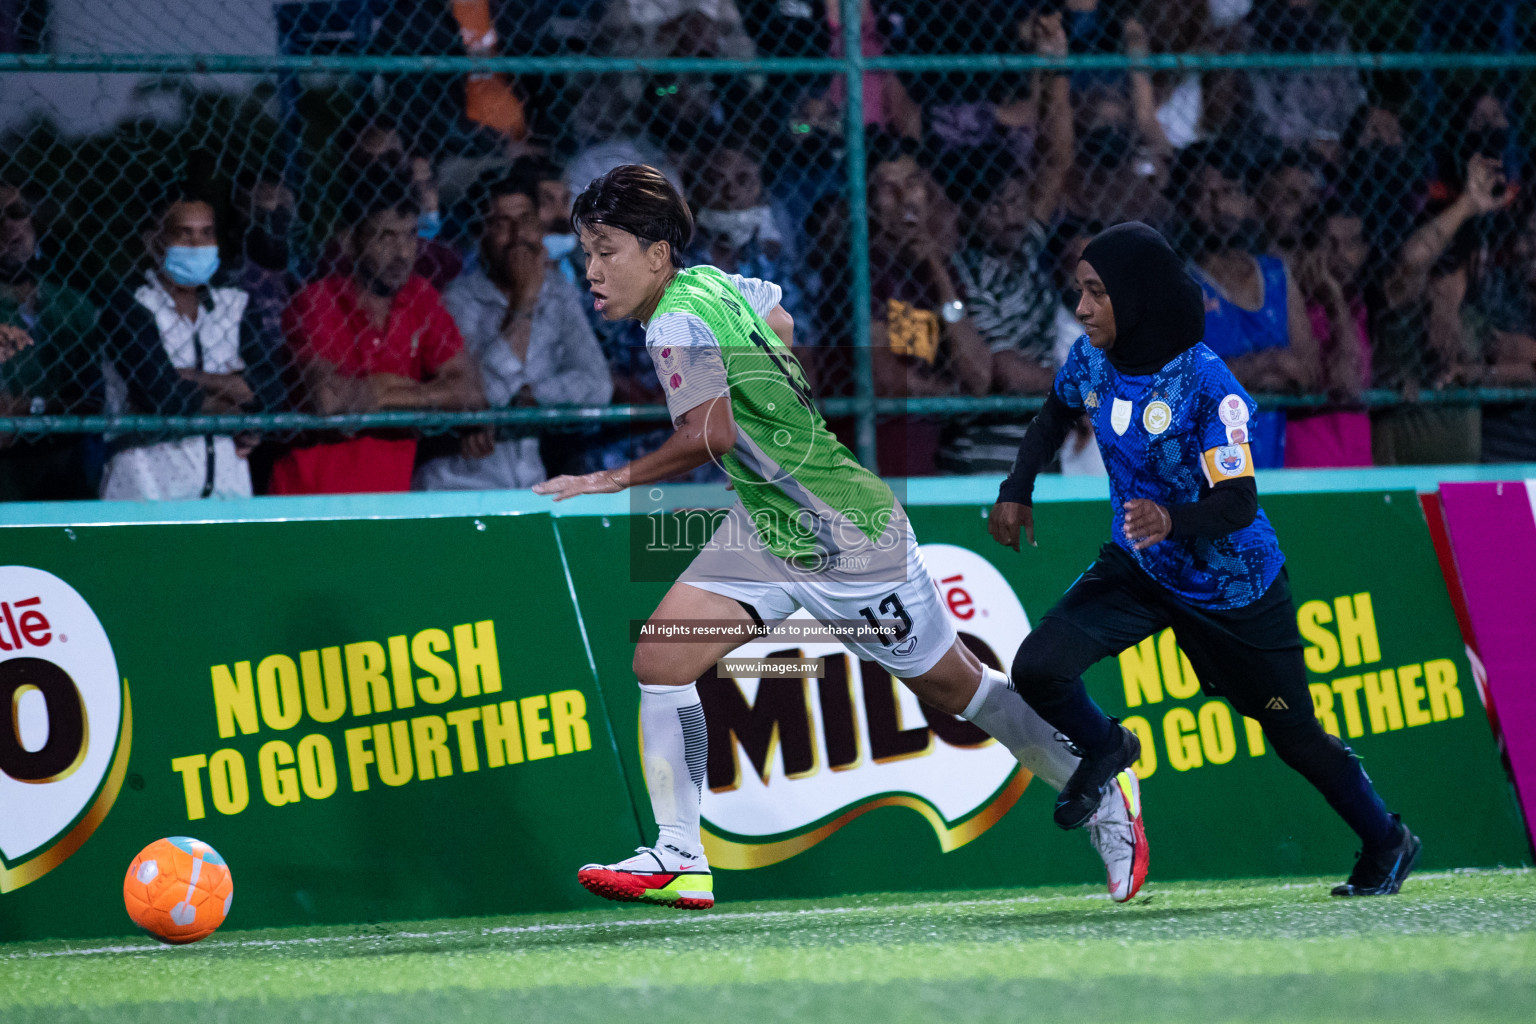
[(1237, 435), (675, 381), (1230, 460), (1234, 411)]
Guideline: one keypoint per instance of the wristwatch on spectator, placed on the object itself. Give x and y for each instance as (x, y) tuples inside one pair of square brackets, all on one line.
[(952, 312)]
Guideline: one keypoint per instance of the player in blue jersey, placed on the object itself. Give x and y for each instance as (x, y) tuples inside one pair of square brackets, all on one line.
[(1191, 548)]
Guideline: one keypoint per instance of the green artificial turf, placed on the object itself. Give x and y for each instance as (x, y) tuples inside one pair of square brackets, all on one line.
[(1452, 947)]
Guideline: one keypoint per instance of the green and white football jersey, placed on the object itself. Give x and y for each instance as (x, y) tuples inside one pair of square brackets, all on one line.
[(807, 496)]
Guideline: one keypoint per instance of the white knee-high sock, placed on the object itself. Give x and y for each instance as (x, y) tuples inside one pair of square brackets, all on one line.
[(676, 757), (999, 710)]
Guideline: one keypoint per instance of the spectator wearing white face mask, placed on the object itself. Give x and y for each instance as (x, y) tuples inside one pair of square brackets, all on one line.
[(174, 345), (738, 227)]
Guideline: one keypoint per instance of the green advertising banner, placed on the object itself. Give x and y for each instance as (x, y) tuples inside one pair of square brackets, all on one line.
[(367, 719), (847, 784), (381, 719)]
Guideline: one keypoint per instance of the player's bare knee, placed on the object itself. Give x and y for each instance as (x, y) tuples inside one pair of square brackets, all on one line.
[(948, 687), (652, 667), (944, 695)]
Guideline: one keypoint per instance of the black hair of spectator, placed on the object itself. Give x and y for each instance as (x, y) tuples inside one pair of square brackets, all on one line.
[(536, 169), (159, 202), (1355, 128), (1339, 204), (639, 199), (1290, 157), (1069, 227), (1223, 155), (976, 179), (14, 177), (511, 183), (883, 147), (379, 189), (355, 128), (247, 178), (1104, 148)]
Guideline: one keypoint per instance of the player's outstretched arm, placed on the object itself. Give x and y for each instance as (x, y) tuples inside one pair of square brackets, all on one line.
[(704, 434), (1014, 510)]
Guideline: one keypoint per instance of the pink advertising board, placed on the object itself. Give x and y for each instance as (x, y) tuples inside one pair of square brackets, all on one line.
[(1492, 533)]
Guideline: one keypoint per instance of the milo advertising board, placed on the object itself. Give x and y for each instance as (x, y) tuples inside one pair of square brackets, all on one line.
[(847, 783), (343, 707), (368, 720)]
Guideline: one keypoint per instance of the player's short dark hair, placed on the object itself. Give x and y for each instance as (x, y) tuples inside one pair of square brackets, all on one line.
[(379, 189), (639, 199)]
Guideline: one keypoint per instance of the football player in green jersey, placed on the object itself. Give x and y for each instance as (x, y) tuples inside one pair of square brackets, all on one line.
[(813, 529)]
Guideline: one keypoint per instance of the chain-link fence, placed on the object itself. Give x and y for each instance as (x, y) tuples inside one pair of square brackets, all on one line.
[(386, 185)]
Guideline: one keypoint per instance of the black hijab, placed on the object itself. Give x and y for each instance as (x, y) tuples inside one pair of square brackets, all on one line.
[(1159, 309)]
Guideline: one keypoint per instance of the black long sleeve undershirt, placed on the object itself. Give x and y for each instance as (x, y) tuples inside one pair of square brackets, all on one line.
[(1041, 441), (1225, 508)]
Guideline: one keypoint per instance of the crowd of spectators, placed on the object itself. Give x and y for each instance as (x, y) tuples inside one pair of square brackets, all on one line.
[(1348, 234)]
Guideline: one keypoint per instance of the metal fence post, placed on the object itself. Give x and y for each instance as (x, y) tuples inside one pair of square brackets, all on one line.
[(858, 232)]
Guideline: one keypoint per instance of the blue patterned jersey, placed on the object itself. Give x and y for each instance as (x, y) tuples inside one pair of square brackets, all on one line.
[(1162, 435)]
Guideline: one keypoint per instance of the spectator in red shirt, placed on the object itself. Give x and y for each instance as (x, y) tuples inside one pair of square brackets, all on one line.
[(377, 144), (375, 338)]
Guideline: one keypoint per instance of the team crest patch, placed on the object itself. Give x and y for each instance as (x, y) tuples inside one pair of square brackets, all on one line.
[(1234, 411), (1120, 415), (1230, 460), (1156, 417)]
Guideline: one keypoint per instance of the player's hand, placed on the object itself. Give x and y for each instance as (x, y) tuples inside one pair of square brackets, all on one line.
[(562, 487), (1146, 523), (1005, 520)]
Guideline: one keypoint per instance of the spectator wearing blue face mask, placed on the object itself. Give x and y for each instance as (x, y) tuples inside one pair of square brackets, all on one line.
[(435, 259), (546, 183), (174, 344)]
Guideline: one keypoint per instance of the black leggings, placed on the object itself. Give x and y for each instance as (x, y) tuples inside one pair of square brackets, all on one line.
[(1247, 657)]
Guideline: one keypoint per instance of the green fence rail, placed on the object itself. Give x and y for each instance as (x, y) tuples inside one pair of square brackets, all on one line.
[(383, 64), (575, 417)]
